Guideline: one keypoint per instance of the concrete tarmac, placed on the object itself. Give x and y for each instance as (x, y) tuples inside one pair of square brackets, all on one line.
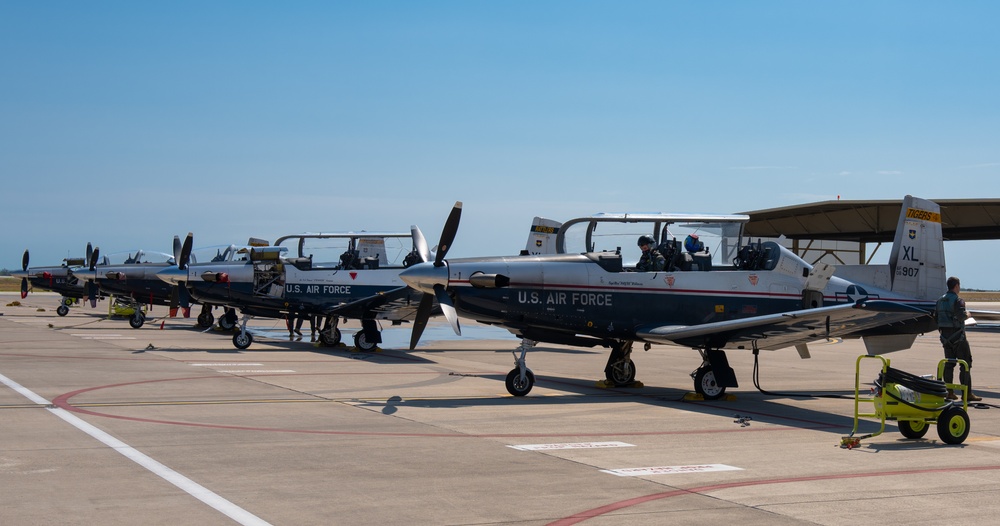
[(104, 424)]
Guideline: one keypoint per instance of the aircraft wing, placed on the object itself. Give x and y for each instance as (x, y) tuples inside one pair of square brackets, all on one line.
[(777, 331), (394, 304)]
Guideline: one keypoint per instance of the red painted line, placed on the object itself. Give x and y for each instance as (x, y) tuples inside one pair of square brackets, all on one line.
[(615, 506), (63, 401)]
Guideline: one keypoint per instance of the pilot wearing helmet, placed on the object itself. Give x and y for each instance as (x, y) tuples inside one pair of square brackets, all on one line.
[(651, 259)]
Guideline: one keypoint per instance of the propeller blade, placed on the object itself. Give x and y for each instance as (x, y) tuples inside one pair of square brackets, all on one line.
[(174, 298), (24, 260), (92, 291), (444, 300), (182, 263), (177, 250), (93, 257), (420, 322), (418, 241), (24, 288), (185, 297), (90, 252), (448, 233)]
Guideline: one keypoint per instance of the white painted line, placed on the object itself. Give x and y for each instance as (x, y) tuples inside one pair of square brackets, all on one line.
[(670, 470), (187, 485), (90, 334), (107, 338), (576, 445), (226, 364)]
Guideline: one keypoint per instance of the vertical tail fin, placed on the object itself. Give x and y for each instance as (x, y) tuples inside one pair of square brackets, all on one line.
[(542, 236), (916, 263)]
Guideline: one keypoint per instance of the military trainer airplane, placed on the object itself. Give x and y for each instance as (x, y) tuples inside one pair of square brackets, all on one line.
[(58, 279), (131, 278), (764, 298), (360, 281)]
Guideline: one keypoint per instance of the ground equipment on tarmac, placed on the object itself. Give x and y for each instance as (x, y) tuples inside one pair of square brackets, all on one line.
[(914, 402)]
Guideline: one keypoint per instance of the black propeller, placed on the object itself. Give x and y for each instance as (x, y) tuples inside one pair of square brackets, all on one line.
[(92, 256), (440, 291), (182, 256), (24, 280)]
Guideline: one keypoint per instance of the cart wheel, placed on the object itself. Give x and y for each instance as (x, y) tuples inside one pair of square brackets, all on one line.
[(953, 425), (913, 428)]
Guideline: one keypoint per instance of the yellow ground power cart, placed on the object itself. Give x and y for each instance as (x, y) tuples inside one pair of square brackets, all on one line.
[(915, 403)]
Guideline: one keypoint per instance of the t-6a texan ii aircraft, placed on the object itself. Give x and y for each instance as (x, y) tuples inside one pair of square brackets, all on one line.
[(58, 279), (750, 295), (331, 275)]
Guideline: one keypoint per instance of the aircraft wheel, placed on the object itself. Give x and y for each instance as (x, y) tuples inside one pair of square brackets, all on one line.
[(242, 340), (913, 429), (518, 386), (136, 320), (623, 373), (362, 343), (706, 386), (330, 341), (205, 319), (62, 310), (953, 425), (228, 321)]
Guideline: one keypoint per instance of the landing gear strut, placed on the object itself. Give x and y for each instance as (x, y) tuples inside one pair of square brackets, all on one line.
[(243, 339), (520, 379)]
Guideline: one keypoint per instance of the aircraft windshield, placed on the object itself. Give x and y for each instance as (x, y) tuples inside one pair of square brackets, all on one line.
[(138, 256), (327, 251), (219, 253), (720, 239)]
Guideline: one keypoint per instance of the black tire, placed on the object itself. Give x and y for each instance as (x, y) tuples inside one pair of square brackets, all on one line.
[(362, 343), (953, 425), (136, 320), (622, 373), (518, 387), (227, 321), (205, 320), (328, 340), (242, 340), (913, 429), (706, 386), (62, 310)]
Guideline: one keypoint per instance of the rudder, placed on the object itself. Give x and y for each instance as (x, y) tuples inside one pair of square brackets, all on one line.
[(916, 263)]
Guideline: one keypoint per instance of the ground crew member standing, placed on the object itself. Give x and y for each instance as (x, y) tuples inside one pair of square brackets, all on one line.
[(951, 315)]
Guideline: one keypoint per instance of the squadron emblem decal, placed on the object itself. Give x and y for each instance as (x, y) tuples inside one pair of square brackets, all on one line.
[(753, 279), (913, 234), (669, 280)]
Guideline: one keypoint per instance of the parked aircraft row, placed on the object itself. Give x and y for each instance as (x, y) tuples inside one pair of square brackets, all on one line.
[(573, 284)]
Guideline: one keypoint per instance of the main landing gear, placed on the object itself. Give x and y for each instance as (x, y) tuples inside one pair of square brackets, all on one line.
[(620, 370), (205, 317), (330, 335), (714, 375)]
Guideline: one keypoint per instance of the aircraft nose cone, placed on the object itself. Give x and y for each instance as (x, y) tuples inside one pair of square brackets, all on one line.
[(423, 277), (172, 275), (19, 274)]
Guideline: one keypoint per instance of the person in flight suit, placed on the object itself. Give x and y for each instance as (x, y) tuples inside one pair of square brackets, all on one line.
[(951, 314), (651, 259)]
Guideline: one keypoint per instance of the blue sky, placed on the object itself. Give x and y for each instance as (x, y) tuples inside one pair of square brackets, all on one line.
[(125, 123)]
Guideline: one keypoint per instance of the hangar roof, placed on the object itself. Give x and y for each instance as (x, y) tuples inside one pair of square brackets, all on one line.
[(872, 220)]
